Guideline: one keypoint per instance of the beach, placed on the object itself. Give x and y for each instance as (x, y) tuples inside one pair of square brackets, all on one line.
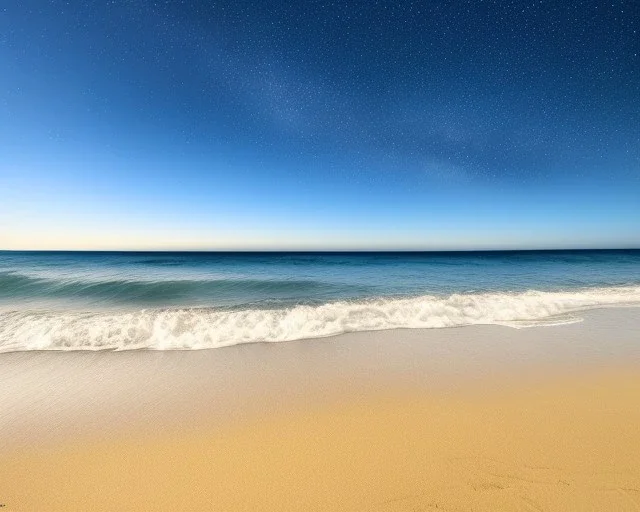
[(472, 418), (329, 256)]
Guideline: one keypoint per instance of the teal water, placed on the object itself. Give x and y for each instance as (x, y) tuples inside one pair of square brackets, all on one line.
[(108, 300)]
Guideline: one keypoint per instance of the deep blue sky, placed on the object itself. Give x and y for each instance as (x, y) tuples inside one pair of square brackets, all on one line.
[(319, 124)]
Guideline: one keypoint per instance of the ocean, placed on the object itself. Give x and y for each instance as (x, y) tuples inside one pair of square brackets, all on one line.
[(194, 300)]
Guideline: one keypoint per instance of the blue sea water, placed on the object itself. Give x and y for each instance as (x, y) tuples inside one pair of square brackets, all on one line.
[(127, 300)]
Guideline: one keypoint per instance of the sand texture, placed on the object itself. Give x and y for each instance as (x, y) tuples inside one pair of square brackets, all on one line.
[(570, 444)]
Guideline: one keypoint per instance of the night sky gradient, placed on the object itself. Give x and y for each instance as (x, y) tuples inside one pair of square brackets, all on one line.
[(131, 124)]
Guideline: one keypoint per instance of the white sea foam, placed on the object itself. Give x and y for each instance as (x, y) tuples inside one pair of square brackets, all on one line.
[(200, 328)]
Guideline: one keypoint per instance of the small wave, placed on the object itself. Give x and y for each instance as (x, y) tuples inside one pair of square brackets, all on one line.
[(12, 283), (200, 328), (127, 291), (155, 262)]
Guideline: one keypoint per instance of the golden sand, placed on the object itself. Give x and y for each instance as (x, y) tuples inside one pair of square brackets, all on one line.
[(570, 444)]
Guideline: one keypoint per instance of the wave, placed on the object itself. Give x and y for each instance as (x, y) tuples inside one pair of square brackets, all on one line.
[(199, 328), (16, 285)]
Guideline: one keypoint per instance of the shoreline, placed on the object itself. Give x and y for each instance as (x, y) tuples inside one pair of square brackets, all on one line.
[(56, 394), (177, 328), (476, 418)]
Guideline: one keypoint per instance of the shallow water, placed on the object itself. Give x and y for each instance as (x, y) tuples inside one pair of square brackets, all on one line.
[(100, 300)]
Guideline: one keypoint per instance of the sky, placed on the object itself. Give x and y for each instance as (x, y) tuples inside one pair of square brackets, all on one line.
[(178, 124)]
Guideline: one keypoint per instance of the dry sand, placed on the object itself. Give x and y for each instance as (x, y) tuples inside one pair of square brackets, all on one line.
[(555, 429)]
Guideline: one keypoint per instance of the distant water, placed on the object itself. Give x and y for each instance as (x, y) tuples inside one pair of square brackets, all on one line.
[(99, 300)]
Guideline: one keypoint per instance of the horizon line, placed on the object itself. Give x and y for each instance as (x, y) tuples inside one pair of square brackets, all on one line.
[(328, 251)]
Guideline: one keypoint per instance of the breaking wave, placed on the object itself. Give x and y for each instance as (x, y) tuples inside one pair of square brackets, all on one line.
[(200, 328)]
